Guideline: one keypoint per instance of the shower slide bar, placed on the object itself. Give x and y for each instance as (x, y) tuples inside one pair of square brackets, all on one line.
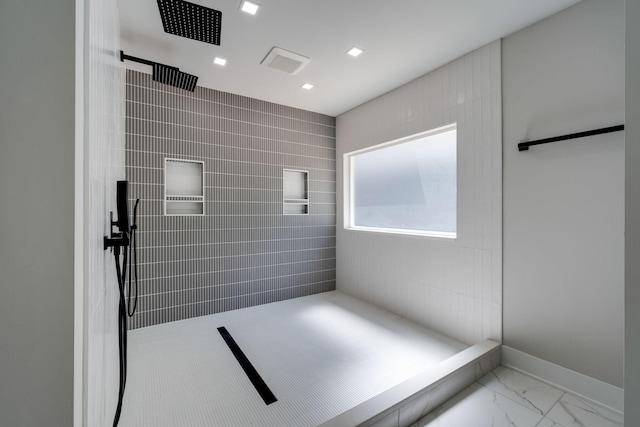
[(524, 146)]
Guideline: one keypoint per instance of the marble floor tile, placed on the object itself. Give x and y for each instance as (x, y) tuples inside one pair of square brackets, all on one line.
[(531, 393), (423, 421), (572, 411), (479, 406), (546, 422)]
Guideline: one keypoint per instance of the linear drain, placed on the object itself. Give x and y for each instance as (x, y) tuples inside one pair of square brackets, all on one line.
[(248, 368)]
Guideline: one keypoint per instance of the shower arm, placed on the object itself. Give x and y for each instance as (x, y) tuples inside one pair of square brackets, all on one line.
[(124, 56), (166, 74)]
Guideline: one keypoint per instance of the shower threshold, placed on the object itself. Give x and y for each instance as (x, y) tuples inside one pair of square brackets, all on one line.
[(329, 359)]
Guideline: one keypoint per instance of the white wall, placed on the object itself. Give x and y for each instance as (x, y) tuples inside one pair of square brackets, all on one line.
[(564, 202), (37, 137), (452, 286), (632, 219), (104, 165)]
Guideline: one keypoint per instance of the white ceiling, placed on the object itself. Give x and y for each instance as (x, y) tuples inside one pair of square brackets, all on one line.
[(402, 39)]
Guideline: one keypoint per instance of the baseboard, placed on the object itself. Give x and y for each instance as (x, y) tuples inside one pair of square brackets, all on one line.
[(565, 379)]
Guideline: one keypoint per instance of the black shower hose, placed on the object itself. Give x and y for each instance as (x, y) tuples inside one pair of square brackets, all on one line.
[(124, 309), (122, 329)]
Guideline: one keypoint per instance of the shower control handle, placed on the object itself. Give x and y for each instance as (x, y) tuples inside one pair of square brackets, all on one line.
[(115, 242), (117, 239)]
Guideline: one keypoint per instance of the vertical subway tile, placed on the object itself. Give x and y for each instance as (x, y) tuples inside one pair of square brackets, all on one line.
[(194, 265), (464, 276)]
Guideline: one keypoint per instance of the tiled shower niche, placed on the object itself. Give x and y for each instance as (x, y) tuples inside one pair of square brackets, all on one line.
[(243, 251)]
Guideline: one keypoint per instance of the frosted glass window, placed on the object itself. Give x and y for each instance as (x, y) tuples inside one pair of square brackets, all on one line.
[(407, 186)]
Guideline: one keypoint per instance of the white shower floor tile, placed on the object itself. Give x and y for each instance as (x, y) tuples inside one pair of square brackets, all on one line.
[(320, 356)]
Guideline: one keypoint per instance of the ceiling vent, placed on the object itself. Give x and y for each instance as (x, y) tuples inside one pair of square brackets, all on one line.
[(285, 61)]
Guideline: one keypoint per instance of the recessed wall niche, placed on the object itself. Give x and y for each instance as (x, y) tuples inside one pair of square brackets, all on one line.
[(183, 187), (295, 190)]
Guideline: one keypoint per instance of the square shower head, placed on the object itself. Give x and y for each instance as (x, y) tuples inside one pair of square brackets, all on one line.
[(190, 20), (174, 77)]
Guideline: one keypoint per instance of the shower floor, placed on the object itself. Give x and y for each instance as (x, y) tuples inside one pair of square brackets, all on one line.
[(320, 355)]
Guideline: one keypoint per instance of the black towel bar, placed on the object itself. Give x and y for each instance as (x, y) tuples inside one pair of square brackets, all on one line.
[(524, 146)]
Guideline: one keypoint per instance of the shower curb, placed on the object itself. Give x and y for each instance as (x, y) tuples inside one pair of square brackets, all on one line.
[(411, 400)]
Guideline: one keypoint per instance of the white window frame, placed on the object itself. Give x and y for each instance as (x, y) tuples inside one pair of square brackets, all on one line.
[(348, 189)]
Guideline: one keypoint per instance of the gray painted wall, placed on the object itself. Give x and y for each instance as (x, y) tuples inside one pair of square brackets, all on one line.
[(632, 220), (564, 202), (37, 139), (243, 251)]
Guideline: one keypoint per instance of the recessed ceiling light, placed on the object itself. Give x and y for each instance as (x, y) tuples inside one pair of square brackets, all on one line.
[(219, 61), (249, 7), (307, 86), (354, 51)]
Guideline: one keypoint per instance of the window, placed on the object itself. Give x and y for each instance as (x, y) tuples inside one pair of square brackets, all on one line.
[(183, 187), (407, 186)]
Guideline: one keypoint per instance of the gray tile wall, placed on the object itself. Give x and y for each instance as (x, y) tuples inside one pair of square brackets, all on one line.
[(243, 251)]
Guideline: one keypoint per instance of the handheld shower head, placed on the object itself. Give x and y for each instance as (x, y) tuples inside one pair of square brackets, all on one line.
[(122, 206)]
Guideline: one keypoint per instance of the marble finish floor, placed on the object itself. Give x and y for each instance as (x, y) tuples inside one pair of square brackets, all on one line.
[(508, 398)]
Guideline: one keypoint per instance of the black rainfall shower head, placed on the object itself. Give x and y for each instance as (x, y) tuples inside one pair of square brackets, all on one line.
[(166, 74), (190, 20), (174, 77)]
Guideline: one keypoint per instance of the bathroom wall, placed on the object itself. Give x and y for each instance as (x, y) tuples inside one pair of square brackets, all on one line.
[(104, 165), (451, 286), (632, 219), (243, 251), (564, 202), (37, 136)]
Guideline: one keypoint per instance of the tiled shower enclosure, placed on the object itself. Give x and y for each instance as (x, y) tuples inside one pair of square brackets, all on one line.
[(243, 251)]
